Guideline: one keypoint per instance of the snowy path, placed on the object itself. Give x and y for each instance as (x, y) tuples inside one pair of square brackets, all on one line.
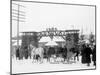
[(26, 66)]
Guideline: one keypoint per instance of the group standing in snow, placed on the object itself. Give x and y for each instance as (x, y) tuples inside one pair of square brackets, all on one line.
[(59, 54)]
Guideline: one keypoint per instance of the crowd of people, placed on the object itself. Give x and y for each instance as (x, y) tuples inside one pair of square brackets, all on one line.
[(87, 53)]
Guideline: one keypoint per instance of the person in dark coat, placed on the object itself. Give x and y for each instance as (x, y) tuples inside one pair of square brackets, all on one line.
[(94, 55), (57, 51), (83, 54), (17, 53), (86, 52), (26, 52), (45, 53), (65, 52), (29, 52), (51, 51), (77, 54), (61, 50)]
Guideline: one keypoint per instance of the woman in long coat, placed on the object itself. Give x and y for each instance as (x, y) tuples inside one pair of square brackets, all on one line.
[(83, 54), (94, 56), (86, 52)]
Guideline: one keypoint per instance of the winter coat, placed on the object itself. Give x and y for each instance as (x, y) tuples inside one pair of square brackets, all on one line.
[(94, 54), (86, 55)]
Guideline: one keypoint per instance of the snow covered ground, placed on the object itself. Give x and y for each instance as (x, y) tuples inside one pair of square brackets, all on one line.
[(26, 66)]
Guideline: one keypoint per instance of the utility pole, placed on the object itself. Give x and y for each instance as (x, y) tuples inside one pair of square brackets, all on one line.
[(16, 16), (18, 27)]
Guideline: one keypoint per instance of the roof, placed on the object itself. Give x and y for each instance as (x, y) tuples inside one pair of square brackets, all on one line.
[(46, 31), (55, 38)]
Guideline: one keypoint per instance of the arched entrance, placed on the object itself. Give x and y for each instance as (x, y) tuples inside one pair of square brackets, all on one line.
[(71, 37)]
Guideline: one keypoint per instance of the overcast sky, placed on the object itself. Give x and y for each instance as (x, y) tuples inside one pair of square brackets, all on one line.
[(39, 16)]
